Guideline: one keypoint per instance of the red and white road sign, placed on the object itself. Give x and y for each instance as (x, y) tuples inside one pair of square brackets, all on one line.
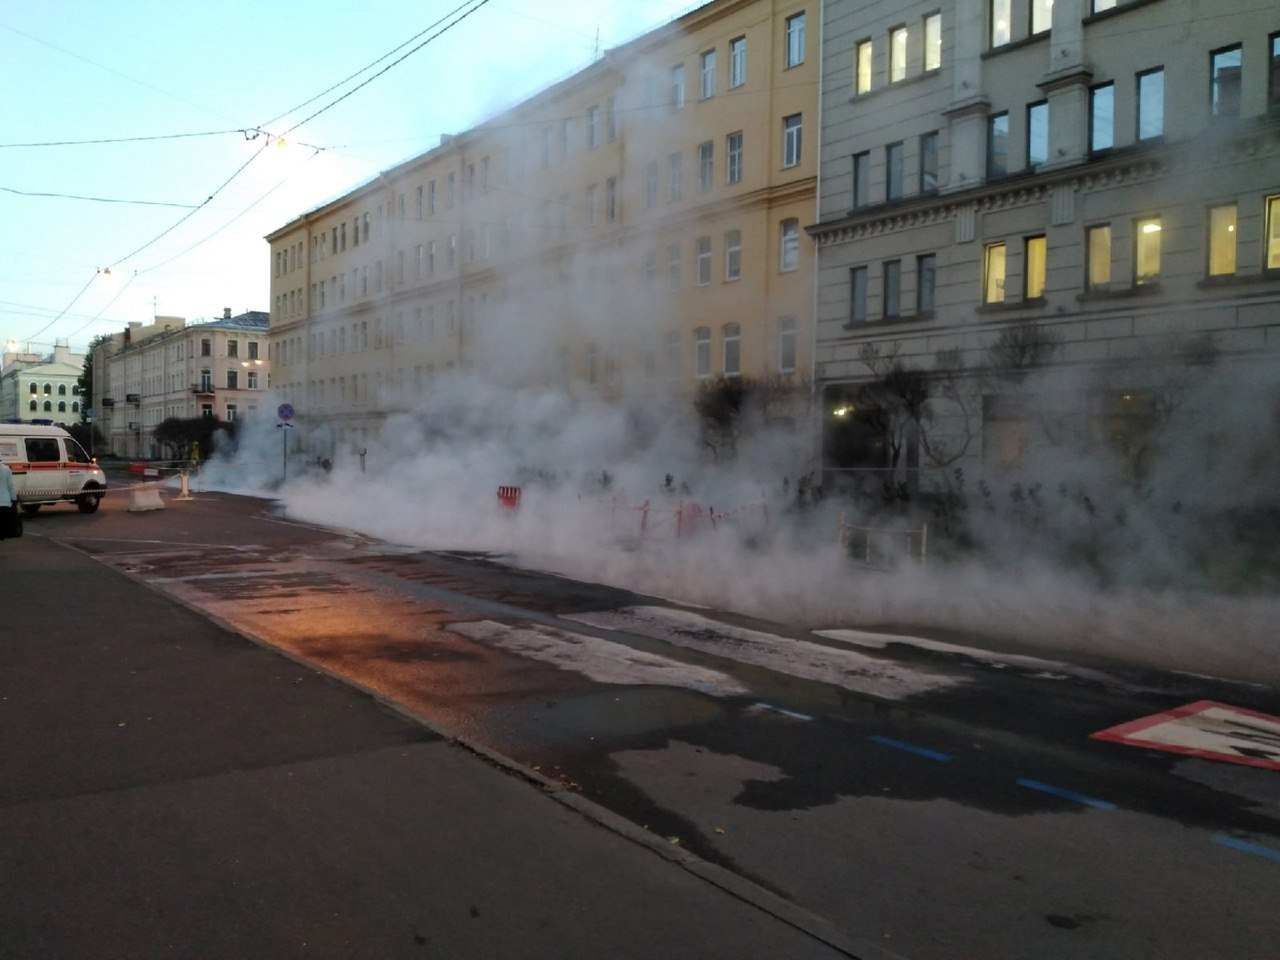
[(1214, 731)]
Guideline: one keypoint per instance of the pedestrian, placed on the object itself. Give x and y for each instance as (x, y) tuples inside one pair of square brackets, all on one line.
[(8, 501)]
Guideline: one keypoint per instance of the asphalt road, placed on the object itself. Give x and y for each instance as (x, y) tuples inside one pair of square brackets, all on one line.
[(934, 803)]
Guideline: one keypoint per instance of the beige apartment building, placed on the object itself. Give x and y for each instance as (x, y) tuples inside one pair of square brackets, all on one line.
[(1079, 193), (167, 369), (36, 386), (628, 233)]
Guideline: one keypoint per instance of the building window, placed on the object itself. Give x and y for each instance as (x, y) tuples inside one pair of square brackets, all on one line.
[(1151, 104), (232, 379), (858, 295), (677, 86), (706, 165), (892, 288), (671, 347), (733, 158), (1146, 250), (1037, 133), (1098, 253), (733, 255), (933, 41), (675, 177), (897, 54), (674, 270), (791, 128), (732, 350), (253, 350), (702, 352), (862, 67), (893, 171), (1224, 81), (786, 345), (1222, 240), (861, 179), (1000, 28), (704, 261), (998, 145), (650, 184), (1102, 114), (737, 61), (993, 262), (1273, 74), (795, 40), (1100, 5), (926, 283), (1035, 262), (590, 204), (1041, 16), (206, 347), (1272, 258), (593, 126), (790, 252), (929, 162), (708, 74), (611, 199)]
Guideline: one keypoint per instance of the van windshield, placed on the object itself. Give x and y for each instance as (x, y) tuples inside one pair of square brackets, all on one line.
[(75, 452)]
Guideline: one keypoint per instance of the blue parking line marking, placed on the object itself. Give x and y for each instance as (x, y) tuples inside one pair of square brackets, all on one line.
[(910, 748), (1256, 849), (1084, 798)]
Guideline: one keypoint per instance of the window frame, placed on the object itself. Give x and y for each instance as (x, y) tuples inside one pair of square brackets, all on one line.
[(788, 344), (997, 160), (1035, 268), (894, 171), (1271, 234), (997, 9), (1212, 243), (1098, 257), (1095, 93), (861, 187), (891, 289), (1141, 113), (1215, 85), (707, 74), (732, 255), (702, 353), (926, 292), (899, 38), (1035, 109), (789, 245), (1147, 245), (792, 140), (995, 254), (863, 66), (702, 254), (731, 350), (733, 157), (737, 62), (706, 166), (932, 24), (858, 282), (795, 37)]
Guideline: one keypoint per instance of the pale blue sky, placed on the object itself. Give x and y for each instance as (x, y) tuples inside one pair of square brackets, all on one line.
[(76, 70)]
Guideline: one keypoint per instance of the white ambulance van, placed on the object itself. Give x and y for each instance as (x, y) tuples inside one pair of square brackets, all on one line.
[(50, 467)]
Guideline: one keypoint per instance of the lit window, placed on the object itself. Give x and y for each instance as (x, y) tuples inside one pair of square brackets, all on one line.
[(795, 40), (1037, 133), (708, 74), (862, 69), (1151, 104), (998, 145), (1222, 240), (738, 62), (1000, 14), (1102, 112), (858, 295), (1146, 250), (790, 252), (732, 350), (1034, 268), (1224, 82), (993, 261), (1098, 251), (892, 288), (791, 130), (1272, 260), (933, 41), (733, 255), (897, 54)]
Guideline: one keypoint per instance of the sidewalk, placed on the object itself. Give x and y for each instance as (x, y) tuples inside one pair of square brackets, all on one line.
[(171, 789)]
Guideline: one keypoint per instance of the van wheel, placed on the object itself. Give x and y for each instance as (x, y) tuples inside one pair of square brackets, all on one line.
[(88, 503), (29, 509)]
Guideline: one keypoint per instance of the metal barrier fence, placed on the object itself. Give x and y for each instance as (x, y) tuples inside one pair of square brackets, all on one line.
[(883, 546)]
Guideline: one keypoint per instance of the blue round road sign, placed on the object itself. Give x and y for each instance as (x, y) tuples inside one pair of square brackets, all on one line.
[(285, 411)]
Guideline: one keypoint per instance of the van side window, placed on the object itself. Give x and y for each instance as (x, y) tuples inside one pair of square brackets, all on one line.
[(43, 450), (75, 453)]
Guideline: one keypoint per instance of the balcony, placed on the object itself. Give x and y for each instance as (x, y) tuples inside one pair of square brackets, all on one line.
[(202, 389)]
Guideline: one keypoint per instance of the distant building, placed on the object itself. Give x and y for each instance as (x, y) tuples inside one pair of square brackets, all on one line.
[(41, 387), (167, 369), (1081, 192), (633, 231)]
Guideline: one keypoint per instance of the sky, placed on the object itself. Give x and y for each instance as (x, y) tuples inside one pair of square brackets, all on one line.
[(187, 103)]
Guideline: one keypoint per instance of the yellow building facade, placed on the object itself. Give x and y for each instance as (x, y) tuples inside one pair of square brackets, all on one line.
[(631, 232)]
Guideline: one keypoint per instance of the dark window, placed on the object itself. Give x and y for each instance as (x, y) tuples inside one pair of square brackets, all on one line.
[(1224, 81), (926, 282), (929, 162), (861, 179), (892, 280), (858, 295), (1273, 74), (998, 145), (1037, 134), (893, 171), (43, 449)]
